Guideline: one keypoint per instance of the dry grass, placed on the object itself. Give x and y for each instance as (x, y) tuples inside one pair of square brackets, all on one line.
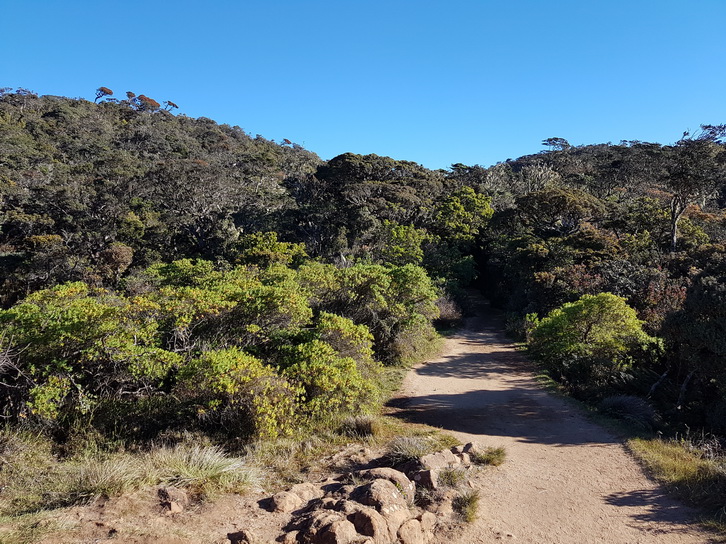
[(89, 479), (687, 472), (34, 479), (205, 469), (409, 448), (361, 427), (452, 477)]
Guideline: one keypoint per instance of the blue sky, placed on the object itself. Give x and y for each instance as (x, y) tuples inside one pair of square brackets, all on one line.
[(434, 82)]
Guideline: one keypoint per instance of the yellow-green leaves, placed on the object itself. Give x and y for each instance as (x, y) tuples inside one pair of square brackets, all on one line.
[(588, 340), (238, 392)]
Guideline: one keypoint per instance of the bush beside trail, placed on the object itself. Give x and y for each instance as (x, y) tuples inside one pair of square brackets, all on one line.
[(245, 351)]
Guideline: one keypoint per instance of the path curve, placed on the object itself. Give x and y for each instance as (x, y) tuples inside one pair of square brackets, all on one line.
[(566, 480)]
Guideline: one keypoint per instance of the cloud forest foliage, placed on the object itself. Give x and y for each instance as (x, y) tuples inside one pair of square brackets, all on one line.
[(161, 271)]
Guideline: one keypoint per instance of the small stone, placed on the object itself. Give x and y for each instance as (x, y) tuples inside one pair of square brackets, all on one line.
[(465, 458), (173, 494), (242, 537), (411, 533), (473, 449), (428, 521), (338, 532), (306, 491), (289, 538), (399, 479), (284, 501), (427, 478), (173, 507)]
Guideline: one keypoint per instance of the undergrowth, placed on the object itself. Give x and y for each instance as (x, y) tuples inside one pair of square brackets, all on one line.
[(34, 478)]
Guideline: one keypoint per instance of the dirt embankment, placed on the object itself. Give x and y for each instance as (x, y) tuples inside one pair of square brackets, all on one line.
[(566, 480)]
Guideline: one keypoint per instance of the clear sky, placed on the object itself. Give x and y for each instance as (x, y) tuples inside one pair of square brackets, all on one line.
[(434, 82)]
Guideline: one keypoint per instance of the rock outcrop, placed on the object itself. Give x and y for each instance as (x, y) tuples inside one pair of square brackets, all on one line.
[(376, 505)]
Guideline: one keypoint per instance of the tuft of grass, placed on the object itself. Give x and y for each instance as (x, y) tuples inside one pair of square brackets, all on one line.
[(409, 448), (35, 527), (205, 469), (34, 479), (360, 427), (92, 478), (687, 472), (452, 477), (467, 505), (490, 456)]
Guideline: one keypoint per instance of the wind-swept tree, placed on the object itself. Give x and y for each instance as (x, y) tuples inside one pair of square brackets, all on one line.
[(101, 92)]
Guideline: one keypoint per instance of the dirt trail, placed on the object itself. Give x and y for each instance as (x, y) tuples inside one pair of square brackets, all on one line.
[(566, 480)]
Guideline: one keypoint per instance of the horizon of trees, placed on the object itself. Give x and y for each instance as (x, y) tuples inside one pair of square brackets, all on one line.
[(95, 195)]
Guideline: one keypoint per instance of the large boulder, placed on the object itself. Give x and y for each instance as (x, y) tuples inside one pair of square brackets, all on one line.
[(366, 520), (307, 491), (397, 478), (385, 497), (338, 532), (439, 460)]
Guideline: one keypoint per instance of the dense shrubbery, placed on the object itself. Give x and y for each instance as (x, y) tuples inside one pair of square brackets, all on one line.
[(138, 247), (639, 223), (589, 343), (244, 350)]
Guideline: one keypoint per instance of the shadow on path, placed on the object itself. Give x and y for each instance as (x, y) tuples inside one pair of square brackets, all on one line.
[(528, 415)]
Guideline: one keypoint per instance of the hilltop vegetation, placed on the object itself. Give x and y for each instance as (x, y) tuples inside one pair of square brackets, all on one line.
[(179, 273)]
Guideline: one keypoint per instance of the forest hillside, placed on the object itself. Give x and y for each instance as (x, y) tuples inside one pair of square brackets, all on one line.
[(179, 273)]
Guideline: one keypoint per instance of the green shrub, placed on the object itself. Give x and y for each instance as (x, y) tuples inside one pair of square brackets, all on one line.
[(415, 341), (349, 340), (327, 383), (236, 391), (588, 342), (74, 345)]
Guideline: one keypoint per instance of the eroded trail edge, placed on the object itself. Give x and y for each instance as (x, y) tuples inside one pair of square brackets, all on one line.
[(566, 480)]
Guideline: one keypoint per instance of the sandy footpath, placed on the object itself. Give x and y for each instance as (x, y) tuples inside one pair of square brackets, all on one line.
[(566, 480)]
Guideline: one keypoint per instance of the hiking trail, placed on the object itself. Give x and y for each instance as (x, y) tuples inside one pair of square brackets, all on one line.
[(566, 480)]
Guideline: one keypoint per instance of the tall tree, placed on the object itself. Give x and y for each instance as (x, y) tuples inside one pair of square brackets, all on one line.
[(694, 166)]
